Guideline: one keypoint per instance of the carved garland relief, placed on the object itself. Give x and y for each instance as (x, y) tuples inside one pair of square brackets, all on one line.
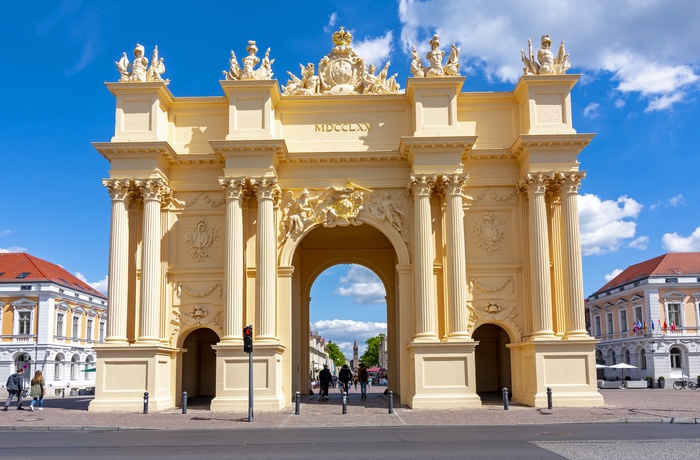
[(200, 240)]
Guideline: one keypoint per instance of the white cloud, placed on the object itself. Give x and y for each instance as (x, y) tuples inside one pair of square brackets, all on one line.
[(609, 276), (331, 22), (648, 47), (12, 249), (375, 50), (592, 110), (345, 332), (639, 243), (98, 285), (362, 285), (677, 243), (605, 224), (5, 231), (677, 200)]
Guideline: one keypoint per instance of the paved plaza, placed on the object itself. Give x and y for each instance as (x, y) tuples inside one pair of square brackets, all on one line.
[(621, 406)]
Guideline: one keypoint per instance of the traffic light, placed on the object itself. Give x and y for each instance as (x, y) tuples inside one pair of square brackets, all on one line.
[(248, 339)]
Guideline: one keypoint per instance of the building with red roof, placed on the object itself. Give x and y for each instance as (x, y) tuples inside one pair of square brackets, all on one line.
[(649, 316), (49, 321)]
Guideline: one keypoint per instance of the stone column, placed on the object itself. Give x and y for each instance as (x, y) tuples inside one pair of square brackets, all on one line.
[(559, 298), (573, 272), (425, 307), (267, 191), (149, 324), (117, 291), (539, 256), (452, 188), (235, 191)]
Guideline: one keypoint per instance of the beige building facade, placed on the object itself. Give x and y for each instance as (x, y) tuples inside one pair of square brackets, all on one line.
[(226, 209)]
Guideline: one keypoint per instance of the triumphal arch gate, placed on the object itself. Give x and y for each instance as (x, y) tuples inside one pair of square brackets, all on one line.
[(225, 209)]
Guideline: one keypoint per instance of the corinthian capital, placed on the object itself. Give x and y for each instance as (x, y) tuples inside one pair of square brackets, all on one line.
[(119, 189), (535, 183), (453, 184), (421, 184), (570, 181), (266, 188), (153, 189), (234, 187)]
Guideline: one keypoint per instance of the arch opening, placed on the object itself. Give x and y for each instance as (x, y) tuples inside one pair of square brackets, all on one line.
[(492, 362), (199, 367)]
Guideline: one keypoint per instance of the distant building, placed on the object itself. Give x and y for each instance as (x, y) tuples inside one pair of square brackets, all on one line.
[(383, 353), (648, 316), (50, 321), (318, 356)]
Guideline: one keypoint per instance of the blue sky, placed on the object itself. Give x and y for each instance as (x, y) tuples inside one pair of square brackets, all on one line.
[(640, 79)]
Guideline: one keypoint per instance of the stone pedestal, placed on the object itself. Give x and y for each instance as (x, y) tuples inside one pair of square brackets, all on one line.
[(122, 378), (444, 375), (232, 378), (567, 367)]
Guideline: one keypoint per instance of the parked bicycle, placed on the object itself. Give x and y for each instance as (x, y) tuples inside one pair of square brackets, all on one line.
[(685, 382)]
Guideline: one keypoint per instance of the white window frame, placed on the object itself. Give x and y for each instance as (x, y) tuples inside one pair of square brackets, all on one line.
[(638, 309), (609, 324), (597, 325), (60, 322), (623, 324), (101, 333), (23, 306), (89, 332), (65, 309), (680, 313)]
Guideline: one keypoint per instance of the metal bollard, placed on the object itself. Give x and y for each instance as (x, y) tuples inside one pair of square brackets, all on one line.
[(63, 393), (391, 402), (297, 403), (145, 402), (505, 398), (549, 398), (345, 402), (184, 402)]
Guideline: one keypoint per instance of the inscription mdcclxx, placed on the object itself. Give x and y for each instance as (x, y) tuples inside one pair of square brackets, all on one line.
[(343, 127)]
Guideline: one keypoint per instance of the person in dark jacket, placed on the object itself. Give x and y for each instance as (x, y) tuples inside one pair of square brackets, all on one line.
[(345, 376), (325, 377), (14, 387)]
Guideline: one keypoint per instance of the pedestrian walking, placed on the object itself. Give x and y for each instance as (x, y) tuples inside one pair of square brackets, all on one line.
[(38, 390), (325, 379), (362, 377), (345, 376), (15, 387)]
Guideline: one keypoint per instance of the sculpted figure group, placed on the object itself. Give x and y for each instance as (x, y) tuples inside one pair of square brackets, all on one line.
[(139, 69), (343, 71)]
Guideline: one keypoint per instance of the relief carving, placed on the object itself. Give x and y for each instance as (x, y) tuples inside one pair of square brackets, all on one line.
[(200, 240), (181, 287), (206, 199), (264, 72), (494, 197), (198, 315), (139, 71), (489, 232), (491, 310), (473, 283), (386, 210)]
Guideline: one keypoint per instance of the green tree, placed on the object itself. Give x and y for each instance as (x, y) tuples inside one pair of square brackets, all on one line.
[(371, 356), (335, 354)]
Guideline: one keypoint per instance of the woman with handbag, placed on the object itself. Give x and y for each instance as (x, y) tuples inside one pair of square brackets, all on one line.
[(38, 391)]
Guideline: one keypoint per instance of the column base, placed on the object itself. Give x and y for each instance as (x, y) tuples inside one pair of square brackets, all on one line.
[(567, 367), (125, 373), (444, 375), (232, 366)]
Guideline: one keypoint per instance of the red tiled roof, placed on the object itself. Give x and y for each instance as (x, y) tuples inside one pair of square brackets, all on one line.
[(13, 264), (670, 264)]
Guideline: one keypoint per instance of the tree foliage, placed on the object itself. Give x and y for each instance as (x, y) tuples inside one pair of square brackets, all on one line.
[(371, 356), (335, 354)]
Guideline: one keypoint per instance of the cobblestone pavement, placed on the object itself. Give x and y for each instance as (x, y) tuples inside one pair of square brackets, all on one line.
[(621, 406)]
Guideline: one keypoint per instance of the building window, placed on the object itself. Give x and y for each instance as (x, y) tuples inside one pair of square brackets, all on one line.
[(102, 331), (611, 329), (25, 287), (22, 275), (88, 330), (76, 323), (675, 358), (642, 359), (623, 320), (598, 331), (24, 323), (674, 314), (59, 324), (58, 368), (74, 367), (626, 356), (671, 280), (638, 314)]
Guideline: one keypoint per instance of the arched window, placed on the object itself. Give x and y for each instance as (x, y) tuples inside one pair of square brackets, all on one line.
[(74, 367), (58, 367), (676, 361), (626, 356), (642, 359), (611, 358)]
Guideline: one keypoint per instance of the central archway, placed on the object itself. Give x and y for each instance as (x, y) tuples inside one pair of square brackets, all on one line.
[(199, 366), (322, 248), (492, 359)]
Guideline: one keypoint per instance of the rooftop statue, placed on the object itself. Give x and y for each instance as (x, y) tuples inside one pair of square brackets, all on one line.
[(342, 71), (435, 57), (546, 63), (139, 69), (248, 72)]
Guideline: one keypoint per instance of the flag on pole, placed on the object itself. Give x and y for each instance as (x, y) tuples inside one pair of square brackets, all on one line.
[(652, 324), (673, 326), (634, 328), (665, 325), (645, 326)]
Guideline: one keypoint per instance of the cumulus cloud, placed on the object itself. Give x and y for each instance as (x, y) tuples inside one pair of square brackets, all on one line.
[(631, 42), (100, 285), (12, 249), (606, 224), (610, 276), (345, 332), (362, 285), (639, 243), (592, 110), (331, 22), (677, 243), (375, 50)]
